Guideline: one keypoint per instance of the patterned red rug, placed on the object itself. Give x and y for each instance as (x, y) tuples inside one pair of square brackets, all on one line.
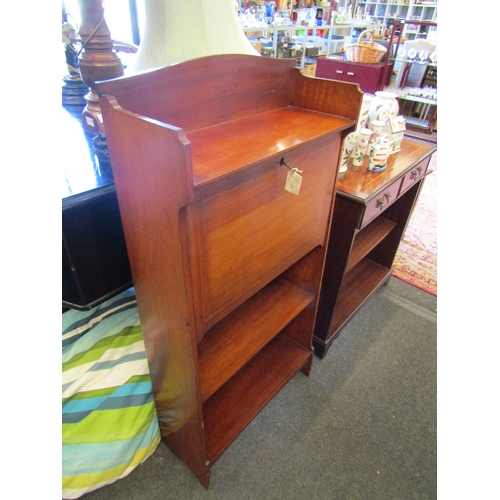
[(416, 259)]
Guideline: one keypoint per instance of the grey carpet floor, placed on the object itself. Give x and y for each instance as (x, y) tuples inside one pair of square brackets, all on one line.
[(362, 426)]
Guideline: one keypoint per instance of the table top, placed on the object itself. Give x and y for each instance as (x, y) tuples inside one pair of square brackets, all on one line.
[(84, 168), (364, 185)]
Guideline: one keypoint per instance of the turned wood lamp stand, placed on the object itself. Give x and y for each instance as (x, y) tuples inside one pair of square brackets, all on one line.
[(97, 60)]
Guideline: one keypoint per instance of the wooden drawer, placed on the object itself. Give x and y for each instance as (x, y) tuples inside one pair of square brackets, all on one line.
[(367, 76), (414, 175), (378, 204)]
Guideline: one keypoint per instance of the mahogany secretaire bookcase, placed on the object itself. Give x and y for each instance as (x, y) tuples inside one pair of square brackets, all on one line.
[(226, 263)]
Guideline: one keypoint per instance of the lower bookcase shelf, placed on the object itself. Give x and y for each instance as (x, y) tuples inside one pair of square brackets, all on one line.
[(231, 343), (357, 284), (249, 391), (246, 358)]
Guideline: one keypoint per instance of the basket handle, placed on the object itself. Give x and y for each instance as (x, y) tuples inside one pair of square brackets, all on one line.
[(363, 33)]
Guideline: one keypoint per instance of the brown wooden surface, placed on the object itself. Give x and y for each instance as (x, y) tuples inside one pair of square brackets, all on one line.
[(237, 338), (258, 209), (196, 151), (249, 391), (364, 185), (367, 239), (326, 96), (413, 176), (226, 148), (307, 274), (342, 232), (207, 91), (149, 167), (357, 285)]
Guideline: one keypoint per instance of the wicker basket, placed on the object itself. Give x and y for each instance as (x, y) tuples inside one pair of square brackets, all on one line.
[(365, 52)]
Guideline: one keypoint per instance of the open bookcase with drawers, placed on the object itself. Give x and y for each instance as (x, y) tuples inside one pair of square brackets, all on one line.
[(227, 264), (372, 210)]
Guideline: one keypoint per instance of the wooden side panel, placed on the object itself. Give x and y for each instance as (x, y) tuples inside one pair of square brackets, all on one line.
[(268, 228), (150, 165), (221, 88), (342, 232), (329, 96)]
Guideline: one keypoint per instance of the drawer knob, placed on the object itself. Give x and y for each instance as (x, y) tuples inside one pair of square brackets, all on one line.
[(350, 73), (416, 173), (380, 202), (339, 72)]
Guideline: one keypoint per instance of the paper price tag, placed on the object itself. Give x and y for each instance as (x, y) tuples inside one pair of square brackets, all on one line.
[(293, 181)]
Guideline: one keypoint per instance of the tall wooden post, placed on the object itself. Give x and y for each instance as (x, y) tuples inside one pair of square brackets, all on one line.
[(97, 61)]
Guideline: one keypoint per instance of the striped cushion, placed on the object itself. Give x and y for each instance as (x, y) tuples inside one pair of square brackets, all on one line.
[(109, 423)]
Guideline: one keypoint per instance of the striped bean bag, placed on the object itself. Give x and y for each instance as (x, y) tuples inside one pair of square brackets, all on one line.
[(109, 422)]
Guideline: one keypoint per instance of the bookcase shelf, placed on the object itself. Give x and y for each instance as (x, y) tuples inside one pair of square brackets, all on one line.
[(366, 276), (367, 239), (249, 391), (232, 342)]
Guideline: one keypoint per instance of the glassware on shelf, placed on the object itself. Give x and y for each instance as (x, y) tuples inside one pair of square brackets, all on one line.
[(423, 55)]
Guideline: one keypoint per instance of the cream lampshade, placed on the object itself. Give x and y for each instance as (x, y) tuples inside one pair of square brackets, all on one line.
[(177, 31)]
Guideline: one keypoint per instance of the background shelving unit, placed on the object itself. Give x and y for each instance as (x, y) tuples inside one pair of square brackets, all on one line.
[(386, 11), (418, 100), (304, 28), (417, 18), (296, 30)]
